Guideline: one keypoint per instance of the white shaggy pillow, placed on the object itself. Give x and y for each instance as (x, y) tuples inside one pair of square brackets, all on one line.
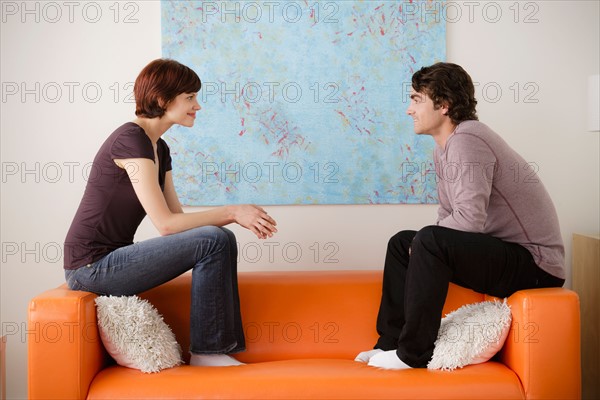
[(135, 335), (471, 335)]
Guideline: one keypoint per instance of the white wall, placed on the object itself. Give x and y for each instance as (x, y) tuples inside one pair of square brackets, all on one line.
[(545, 61)]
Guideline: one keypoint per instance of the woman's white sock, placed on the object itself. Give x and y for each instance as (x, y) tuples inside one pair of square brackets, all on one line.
[(213, 360)]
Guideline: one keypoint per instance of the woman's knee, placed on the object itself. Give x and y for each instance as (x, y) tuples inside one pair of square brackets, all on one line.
[(230, 235), (219, 236)]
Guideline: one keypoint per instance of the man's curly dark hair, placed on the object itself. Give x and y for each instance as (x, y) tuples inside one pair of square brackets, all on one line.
[(448, 84)]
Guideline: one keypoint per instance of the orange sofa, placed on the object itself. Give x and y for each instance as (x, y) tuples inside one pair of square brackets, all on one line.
[(303, 330)]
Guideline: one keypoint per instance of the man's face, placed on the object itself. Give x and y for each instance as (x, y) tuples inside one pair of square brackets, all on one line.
[(427, 120)]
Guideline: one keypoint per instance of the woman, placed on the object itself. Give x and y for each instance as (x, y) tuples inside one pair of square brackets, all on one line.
[(132, 178)]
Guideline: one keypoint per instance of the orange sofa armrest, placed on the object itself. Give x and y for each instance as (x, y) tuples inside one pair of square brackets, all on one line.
[(64, 347), (543, 345)]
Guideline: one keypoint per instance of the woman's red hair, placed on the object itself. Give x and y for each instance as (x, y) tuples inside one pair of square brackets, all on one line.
[(159, 83)]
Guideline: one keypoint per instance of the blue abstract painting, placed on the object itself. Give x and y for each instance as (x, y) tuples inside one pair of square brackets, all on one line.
[(303, 102)]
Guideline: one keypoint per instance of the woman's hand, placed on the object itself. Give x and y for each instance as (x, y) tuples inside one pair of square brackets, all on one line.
[(255, 219)]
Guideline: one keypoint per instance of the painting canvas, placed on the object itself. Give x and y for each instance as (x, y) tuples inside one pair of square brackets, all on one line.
[(303, 102)]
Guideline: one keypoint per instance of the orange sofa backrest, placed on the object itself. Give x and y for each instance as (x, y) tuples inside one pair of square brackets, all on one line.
[(291, 315)]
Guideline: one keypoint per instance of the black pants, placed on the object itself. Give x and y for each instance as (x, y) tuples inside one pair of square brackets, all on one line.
[(418, 269)]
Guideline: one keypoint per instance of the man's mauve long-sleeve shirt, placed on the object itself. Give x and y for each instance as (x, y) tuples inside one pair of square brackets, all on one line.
[(485, 186)]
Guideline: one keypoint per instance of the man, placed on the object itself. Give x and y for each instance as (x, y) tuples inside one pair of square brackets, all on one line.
[(497, 230)]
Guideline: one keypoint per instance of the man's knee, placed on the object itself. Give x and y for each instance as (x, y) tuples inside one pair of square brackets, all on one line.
[(428, 236), (401, 240)]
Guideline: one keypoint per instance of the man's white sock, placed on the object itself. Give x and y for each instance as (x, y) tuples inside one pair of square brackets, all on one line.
[(365, 356), (388, 360)]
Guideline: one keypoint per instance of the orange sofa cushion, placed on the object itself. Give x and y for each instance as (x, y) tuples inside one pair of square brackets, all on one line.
[(308, 379)]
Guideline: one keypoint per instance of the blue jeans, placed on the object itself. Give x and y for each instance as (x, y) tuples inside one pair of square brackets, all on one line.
[(209, 251)]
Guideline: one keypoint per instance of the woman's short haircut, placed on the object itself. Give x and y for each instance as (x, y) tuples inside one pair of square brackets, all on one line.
[(448, 84), (159, 83)]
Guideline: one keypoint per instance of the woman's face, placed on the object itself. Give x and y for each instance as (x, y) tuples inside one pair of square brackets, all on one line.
[(182, 109)]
